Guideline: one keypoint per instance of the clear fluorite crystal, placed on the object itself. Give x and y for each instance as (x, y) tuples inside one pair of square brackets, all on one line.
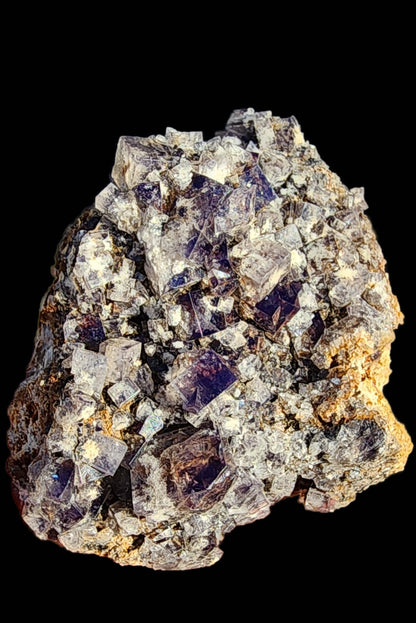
[(216, 339)]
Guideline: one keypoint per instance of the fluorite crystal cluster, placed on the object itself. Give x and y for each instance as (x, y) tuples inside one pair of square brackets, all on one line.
[(216, 339)]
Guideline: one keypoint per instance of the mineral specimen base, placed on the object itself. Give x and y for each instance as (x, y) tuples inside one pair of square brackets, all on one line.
[(216, 339)]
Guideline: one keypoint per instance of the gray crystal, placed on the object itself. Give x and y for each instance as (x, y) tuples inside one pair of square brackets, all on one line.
[(216, 339), (123, 392)]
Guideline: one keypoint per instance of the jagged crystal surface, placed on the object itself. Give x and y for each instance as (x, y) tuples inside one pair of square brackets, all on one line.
[(216, 338)]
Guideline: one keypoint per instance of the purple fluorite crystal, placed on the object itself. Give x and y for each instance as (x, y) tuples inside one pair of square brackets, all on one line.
[(278, 307), (205, 379)]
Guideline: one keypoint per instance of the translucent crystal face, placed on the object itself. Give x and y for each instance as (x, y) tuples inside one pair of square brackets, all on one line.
[(216, 339)]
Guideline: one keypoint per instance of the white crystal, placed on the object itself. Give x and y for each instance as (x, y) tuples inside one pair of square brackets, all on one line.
[(120, 208), (264, 262), (122, 355), (236, 211), (89, 370), (220, 157), (289, 237), (94, 263), (129, 523), (123, 392), (152, 425), (102, 452), (249, 366), (123, 284), (257, 391), (276, 167), (121, 420), (233, 336), (145, 409)]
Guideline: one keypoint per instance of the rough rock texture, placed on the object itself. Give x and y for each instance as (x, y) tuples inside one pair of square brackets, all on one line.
[(216, 338)]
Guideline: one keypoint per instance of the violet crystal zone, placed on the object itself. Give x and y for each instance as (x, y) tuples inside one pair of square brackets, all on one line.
[(216, 339), (204, 380)]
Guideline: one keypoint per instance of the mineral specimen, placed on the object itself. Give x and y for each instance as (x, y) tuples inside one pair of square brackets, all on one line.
[(216, 339)]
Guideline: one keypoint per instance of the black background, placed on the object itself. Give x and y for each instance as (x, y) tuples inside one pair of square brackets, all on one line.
[(70, 96)]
